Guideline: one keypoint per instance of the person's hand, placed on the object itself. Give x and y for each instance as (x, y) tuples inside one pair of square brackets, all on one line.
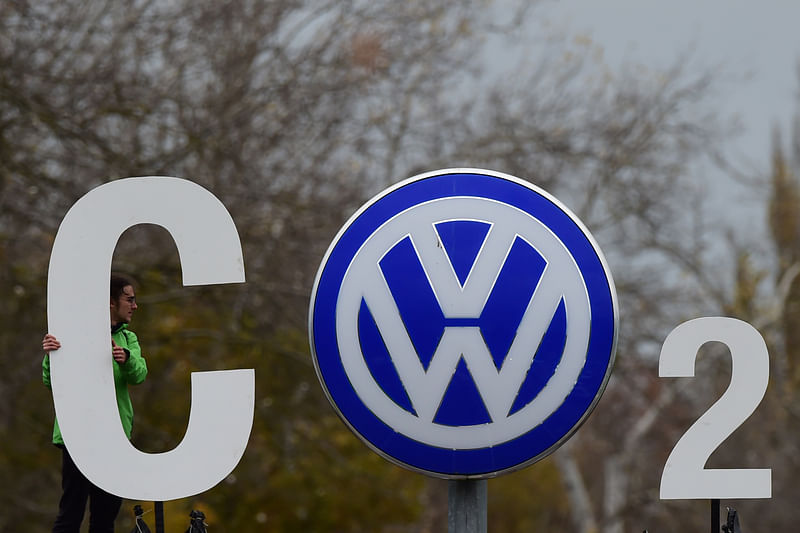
[(118, 353), (50, 343)]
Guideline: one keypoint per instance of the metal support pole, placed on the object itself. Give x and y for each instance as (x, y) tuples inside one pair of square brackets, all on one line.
[(467, 501), (715, 516), (159, 509)]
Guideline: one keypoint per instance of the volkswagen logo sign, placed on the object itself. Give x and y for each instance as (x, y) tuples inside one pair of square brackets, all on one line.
[(463, 323)]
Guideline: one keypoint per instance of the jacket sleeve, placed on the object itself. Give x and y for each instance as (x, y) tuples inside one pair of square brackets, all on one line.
[(46, 370), (135, 368)]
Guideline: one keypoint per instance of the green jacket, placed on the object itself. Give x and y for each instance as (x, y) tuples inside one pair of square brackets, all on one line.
[(131, 372)]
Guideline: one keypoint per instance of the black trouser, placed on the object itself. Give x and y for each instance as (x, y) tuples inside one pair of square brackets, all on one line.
[(103, 507)]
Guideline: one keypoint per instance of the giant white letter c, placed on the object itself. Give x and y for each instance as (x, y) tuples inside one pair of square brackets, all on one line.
[(221, 415)]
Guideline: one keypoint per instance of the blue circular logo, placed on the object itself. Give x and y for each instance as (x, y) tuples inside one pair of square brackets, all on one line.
[(463, 323)]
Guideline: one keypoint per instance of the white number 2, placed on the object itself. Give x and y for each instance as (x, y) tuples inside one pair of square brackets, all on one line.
[(684, 474)]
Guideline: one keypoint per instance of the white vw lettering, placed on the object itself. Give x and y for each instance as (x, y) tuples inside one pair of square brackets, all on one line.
[(498, 389), (426, 389)]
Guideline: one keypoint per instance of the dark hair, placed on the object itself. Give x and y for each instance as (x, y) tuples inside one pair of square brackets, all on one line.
[(118, 284)]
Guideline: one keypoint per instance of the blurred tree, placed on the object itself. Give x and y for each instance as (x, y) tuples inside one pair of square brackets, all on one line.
[(293, 113), (762, 290), (784, 223)]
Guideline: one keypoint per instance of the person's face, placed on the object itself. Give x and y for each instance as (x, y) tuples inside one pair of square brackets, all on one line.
[(122, 309)]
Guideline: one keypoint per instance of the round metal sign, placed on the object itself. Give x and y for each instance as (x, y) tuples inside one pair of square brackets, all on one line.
[(463, 323)]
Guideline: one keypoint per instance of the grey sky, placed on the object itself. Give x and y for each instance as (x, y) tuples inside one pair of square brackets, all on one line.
[(755, 44), (755, 48)]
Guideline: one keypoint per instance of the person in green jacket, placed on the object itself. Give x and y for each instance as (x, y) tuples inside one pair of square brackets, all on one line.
[(130, 368)]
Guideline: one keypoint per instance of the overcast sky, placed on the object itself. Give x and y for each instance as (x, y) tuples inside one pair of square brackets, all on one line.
[(756, 44)]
